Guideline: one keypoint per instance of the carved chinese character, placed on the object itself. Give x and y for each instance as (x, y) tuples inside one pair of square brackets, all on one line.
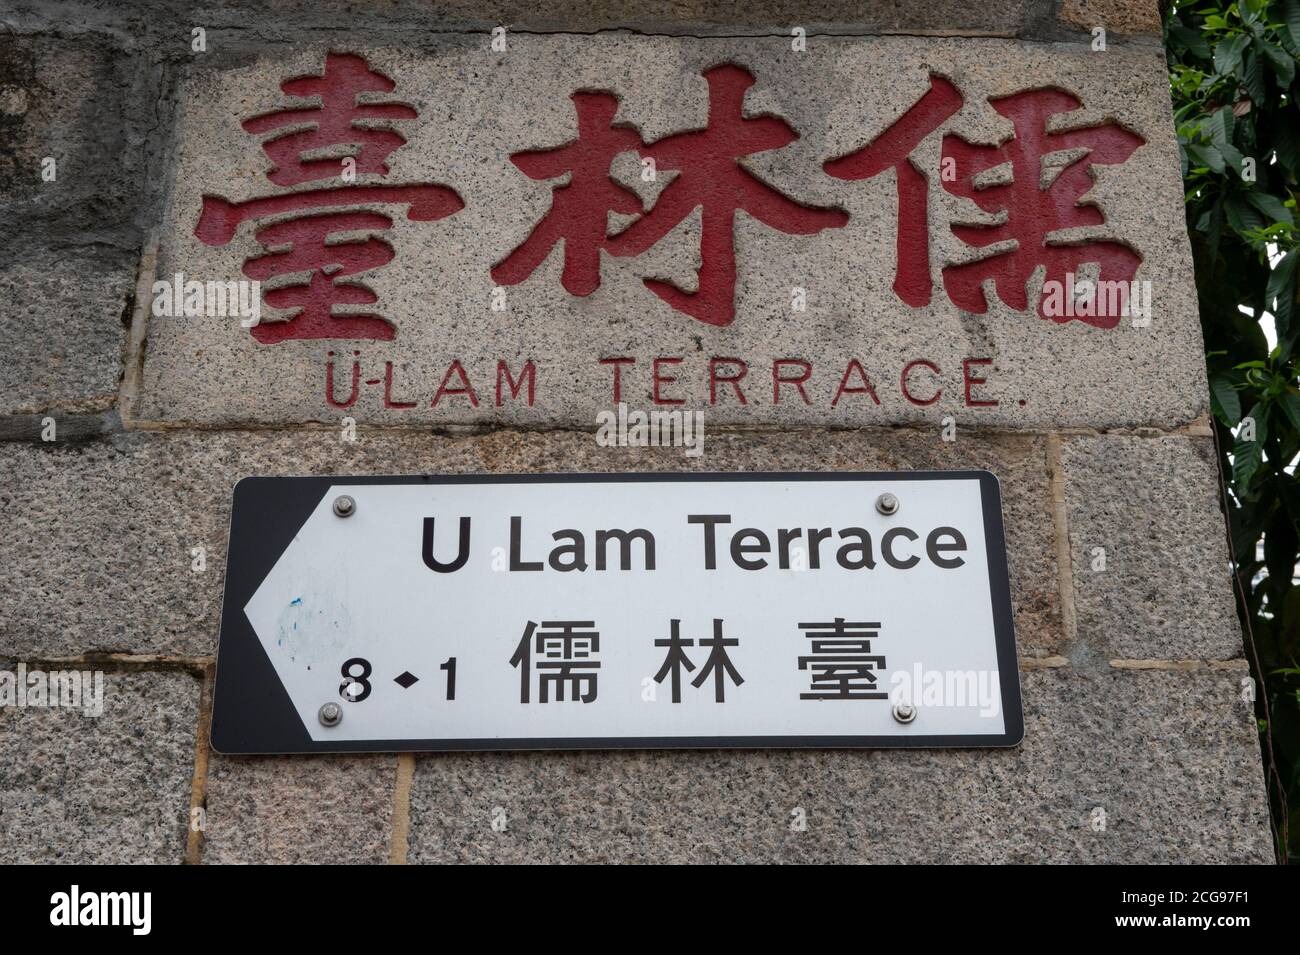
[(580, 208), (1049, 175), (311, 243), (893, 149), (710, 178)]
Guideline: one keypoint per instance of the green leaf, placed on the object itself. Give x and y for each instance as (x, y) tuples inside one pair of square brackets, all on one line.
[(1252, 76), (1224, 400), (1291, 17), (1227, 54), (1242, 216), (1219, 126), (1190, 40), (1290, 403), (1281, 289), (1207, 157), (1271, 206), (1282, 62), (1247, 456), (1283, 36)]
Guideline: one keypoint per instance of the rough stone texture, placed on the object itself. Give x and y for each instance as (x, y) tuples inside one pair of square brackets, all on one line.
[(61, 321), (294, 810), (278, 20), (1172, 758), (476, 108), (68, 427), (82, 103), (103, 531), (109, 789), (69, 246), (1120, 16), (1152, 504)]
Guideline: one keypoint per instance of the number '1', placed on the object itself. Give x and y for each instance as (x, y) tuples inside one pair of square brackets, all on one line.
[(450, 667)]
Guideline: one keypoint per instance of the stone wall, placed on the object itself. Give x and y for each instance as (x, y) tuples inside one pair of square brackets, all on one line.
[(1133, 673)]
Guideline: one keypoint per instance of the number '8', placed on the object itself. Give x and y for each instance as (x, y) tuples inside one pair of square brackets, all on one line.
[(355, 686)]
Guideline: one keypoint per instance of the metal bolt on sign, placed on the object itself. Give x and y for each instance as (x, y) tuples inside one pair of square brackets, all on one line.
[(887, 504), (331, 714), (904, 712), (344, 505)]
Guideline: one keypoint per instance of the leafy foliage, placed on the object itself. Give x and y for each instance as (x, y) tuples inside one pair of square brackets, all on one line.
[(1233, 72)]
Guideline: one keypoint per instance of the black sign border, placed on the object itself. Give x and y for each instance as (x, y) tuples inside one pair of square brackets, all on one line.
[(253, 715)]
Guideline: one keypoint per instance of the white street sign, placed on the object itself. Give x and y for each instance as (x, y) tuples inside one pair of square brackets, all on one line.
[(591, 611)]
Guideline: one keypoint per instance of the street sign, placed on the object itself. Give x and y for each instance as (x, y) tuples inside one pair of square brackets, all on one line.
[(587, 611)]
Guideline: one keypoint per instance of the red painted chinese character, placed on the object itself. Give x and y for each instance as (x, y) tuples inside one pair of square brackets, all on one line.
[(1034, 211), (713, 180), (579, 209), (310, 248), (710, 178), (1039, 200), (892, 149)]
